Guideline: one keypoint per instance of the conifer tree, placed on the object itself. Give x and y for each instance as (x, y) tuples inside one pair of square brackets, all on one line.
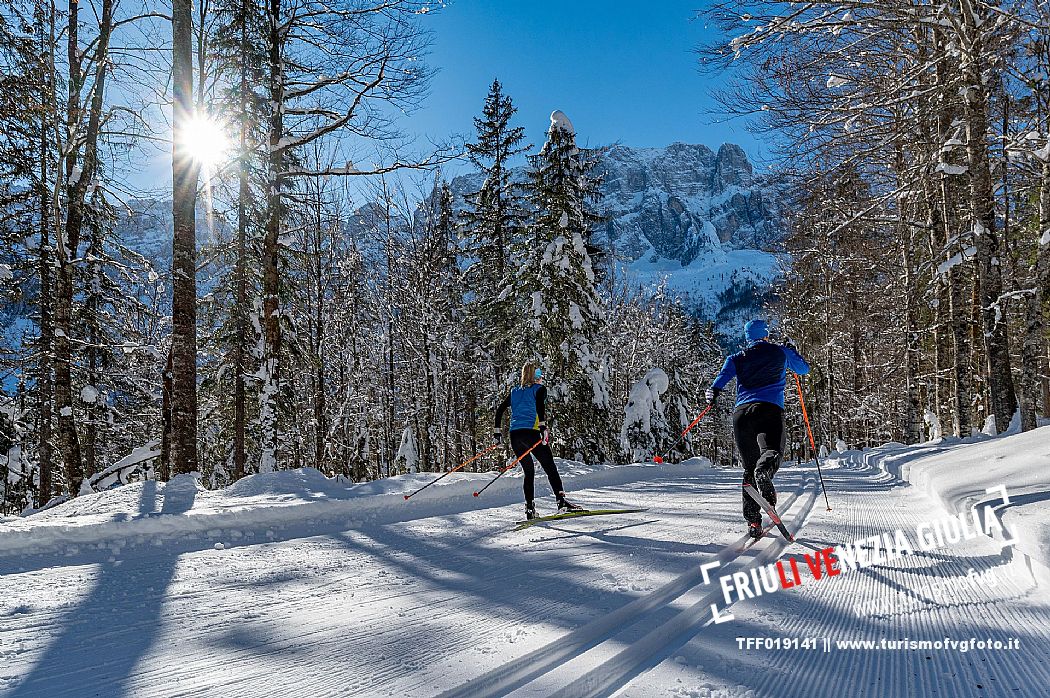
[(555, 290), (492, 222)]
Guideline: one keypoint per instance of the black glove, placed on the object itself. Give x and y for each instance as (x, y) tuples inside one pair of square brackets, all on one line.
[(711, 395), (545, 434), (790, 345), (497, 437)]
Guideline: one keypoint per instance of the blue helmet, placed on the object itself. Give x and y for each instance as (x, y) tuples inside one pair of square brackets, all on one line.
[(539, 373), (755, 330)]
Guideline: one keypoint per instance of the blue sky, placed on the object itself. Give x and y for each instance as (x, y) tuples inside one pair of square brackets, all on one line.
[(621, 71)]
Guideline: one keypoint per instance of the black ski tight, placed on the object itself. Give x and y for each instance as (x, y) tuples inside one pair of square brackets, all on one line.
[(760, 438), (521, 440)]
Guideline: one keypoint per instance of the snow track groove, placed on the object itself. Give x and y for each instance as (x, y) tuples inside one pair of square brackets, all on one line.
[(976, 589), (606, 678), (909, 607), (527, 668), (444, 597)]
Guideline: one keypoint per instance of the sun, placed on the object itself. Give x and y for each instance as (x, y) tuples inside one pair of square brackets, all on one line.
[(206, 141)]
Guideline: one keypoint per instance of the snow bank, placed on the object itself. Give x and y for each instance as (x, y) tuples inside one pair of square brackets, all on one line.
[(959, 478), (180, 508), (957, 472)]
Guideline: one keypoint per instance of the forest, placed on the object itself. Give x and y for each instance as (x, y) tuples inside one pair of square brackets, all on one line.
[(915, 137), (343, 311), (329, 304)]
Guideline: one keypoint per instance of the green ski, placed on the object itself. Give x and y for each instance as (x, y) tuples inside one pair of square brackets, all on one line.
[(572, 515)]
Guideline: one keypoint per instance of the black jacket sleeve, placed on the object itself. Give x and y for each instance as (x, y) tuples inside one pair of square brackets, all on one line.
[(541, 404), (503, 407)]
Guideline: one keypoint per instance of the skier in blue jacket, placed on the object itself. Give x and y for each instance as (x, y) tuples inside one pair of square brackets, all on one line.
[(528, 425), (758, 418)]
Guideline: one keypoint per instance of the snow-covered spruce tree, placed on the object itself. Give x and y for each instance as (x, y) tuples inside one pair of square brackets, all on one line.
[(556, 295), (27, 161), (645, 420), (493, 219)]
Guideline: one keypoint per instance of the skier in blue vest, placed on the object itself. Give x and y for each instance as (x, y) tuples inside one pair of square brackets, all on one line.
[(758, 418), (528, 426)]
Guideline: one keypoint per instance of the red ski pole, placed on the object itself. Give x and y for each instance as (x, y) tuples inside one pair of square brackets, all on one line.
[(461, 465), (516, 461), (660, 459), (812, 443)]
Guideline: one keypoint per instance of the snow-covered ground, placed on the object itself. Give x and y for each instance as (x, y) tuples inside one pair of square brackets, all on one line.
[(294, 585)]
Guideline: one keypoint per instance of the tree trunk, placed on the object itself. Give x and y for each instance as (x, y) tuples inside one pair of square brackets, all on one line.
[(960, 325), (978, 364), (240, 360), (66, 252), (942, 357), (320, 377), (982, 201), (854, 431), (913, 409), (831, 420), (271, 320), (185, 172), (45, 383), (92, 355)]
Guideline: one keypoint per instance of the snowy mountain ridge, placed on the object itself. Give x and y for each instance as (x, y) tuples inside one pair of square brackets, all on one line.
[(699, 219)]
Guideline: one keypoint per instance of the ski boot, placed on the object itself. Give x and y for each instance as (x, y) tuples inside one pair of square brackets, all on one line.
[(565, 506), (754, 530), (530, 511)]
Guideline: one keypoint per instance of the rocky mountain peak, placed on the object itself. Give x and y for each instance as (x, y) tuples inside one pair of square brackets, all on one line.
[(675, 202), (732, 168)]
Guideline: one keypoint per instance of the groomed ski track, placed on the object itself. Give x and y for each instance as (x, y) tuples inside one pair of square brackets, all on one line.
[(458, 605)]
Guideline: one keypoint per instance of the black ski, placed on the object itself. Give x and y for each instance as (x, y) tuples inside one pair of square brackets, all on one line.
[(770, 511), (572, 515)]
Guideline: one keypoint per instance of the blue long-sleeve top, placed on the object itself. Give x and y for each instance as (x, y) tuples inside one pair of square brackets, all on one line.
[(760, 372)]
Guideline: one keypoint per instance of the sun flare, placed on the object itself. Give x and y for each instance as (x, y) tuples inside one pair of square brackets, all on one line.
[(206, 141)]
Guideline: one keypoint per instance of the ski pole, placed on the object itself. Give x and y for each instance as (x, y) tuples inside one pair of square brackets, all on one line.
[(461, 465), (812, 443), (516, 461), (659, 459)]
